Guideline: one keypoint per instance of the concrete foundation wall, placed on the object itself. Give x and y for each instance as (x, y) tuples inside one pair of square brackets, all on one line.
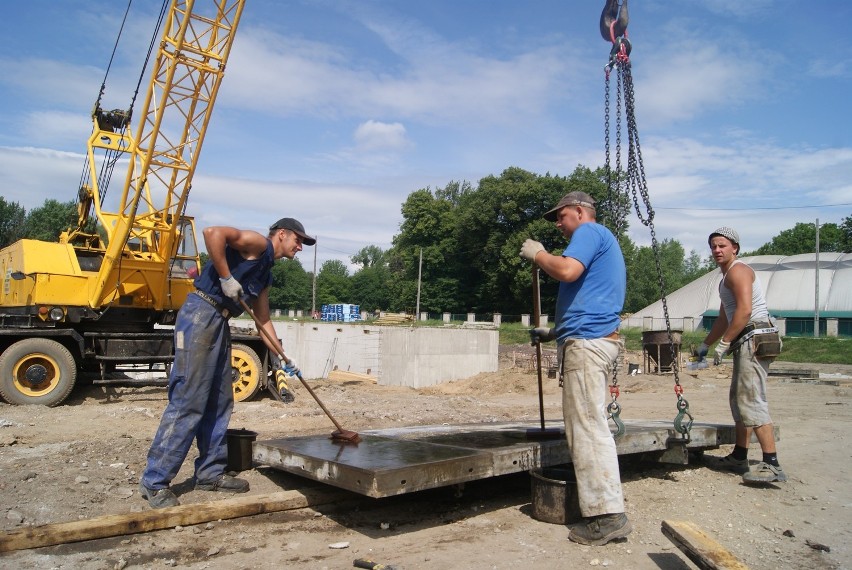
[(397, 356)]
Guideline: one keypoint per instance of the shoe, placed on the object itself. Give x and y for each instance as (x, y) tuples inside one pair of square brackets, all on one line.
[(765, 473), (597, 531), (726, 463), (224, 483), (159, 498)]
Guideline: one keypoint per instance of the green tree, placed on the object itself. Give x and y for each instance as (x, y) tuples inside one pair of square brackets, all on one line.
[(369, 285), (369, 256), (12, 222), (291, 286), (846, 231), (50, 219), (645, 271), (802, 239), (333, 285)]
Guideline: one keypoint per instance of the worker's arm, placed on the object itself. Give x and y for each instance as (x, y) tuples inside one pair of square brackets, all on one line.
[(249, 244), (565, 269), (260, 307), (720, 325)]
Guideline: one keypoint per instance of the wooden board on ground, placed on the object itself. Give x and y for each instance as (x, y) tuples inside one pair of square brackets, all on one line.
[(158, 519), (700, 547), (346, 376)]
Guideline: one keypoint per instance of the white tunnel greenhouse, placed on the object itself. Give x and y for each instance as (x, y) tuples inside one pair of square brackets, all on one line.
[(798, 296)]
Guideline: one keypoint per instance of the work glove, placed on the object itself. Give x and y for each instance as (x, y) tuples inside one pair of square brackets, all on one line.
[(530, 249), (701, 353), (291, 369), (721, 351), (541, 334), (231, 288), (274, 361)]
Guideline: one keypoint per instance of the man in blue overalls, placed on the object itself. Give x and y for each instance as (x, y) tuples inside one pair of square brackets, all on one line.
[(201, 396)]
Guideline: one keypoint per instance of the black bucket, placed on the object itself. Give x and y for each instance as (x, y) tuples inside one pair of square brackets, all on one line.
[(240, 448), (554, 495)]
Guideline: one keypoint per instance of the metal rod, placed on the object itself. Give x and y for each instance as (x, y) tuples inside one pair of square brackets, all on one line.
[(536, 324), (284, 358)]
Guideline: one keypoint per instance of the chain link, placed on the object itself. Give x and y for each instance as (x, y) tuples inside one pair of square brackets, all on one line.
[(635, 186)]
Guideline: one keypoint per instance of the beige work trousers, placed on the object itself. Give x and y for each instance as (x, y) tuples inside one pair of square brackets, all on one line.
[(586, 365)]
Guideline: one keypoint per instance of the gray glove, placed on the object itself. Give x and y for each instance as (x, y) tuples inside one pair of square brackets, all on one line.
[(541, 334), (530, 249), (702, 352), (231, 288)]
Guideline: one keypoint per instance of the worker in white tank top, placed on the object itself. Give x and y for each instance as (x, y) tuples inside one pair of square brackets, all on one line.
[(743, 312)]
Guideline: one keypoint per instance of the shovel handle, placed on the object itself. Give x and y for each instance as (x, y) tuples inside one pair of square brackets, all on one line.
[(284, 358)]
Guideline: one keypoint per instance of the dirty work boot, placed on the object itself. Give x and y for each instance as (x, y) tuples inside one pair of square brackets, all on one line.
[(224, 483), (765, 473), (726, 463), (160, 498), (597, 531)]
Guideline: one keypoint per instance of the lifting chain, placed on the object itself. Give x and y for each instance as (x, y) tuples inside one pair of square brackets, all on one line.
[(633, 184)]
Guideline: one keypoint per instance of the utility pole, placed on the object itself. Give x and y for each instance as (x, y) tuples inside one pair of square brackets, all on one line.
[(419, 273), (816, 285), (314, 284)]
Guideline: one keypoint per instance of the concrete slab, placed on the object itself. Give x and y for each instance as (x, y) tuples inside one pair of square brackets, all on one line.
[(395, 461)]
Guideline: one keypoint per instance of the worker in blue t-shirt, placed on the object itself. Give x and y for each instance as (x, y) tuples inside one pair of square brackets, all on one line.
[(592, 283)]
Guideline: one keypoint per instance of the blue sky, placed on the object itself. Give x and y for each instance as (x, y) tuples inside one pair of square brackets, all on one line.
[(333, 112)]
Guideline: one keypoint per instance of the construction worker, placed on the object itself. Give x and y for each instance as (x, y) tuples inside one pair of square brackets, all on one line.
[(201, 396), (592, 287), (743, 329)]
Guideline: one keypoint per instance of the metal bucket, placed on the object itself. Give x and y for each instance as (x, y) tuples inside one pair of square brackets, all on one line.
[(554, 495), (240, 449)]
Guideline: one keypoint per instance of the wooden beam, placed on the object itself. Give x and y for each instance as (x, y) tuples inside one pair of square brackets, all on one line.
[(158, 519), (700, 547), (347, 376)]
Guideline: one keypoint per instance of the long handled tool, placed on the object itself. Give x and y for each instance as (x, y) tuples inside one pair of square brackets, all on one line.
[(341, 434), (542, 433)]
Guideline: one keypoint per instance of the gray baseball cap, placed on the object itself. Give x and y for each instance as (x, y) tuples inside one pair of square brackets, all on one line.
[(570, 199)]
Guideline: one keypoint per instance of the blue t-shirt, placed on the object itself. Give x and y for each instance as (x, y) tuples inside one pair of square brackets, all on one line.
[(590, 306)]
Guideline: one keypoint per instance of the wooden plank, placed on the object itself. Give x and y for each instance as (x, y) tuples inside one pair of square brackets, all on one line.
[(347, 376), (158, 519), (700, 547)]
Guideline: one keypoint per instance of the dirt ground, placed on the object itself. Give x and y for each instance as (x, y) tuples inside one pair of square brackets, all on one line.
[(83, 460)]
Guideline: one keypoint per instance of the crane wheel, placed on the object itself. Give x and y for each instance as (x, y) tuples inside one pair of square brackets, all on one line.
[(37, 371), (246, 370)]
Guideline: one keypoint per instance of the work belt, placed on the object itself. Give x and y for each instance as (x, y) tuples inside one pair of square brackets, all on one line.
[(749, 331), (220, 308)]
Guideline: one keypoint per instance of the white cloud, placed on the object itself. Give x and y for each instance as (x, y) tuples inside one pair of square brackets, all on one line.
[(450, 87), (375, 135), (57, 128), (53, 81)]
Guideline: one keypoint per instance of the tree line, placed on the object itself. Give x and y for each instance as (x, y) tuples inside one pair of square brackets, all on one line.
[(469, 238)]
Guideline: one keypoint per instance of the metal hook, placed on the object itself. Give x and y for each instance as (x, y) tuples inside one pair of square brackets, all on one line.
[(613, 21)]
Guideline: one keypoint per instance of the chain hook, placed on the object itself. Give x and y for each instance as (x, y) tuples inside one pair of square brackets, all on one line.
[(613, 20)]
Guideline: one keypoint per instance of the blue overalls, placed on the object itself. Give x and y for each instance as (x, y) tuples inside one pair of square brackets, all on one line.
[(201, 396)]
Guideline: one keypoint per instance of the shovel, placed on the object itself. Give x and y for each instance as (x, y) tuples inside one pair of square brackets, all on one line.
[(343, 435), (542, 433)]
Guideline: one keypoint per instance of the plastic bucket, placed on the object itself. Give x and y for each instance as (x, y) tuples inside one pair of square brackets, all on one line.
[(554, 495), (240, 449)]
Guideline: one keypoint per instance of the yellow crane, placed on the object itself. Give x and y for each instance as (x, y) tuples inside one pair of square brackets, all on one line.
[(92, 299)]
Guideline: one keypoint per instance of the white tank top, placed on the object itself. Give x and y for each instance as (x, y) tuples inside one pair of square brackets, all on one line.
[(759, 312)]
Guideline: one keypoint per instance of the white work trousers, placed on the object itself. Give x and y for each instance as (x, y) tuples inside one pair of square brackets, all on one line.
[(586, 366)]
